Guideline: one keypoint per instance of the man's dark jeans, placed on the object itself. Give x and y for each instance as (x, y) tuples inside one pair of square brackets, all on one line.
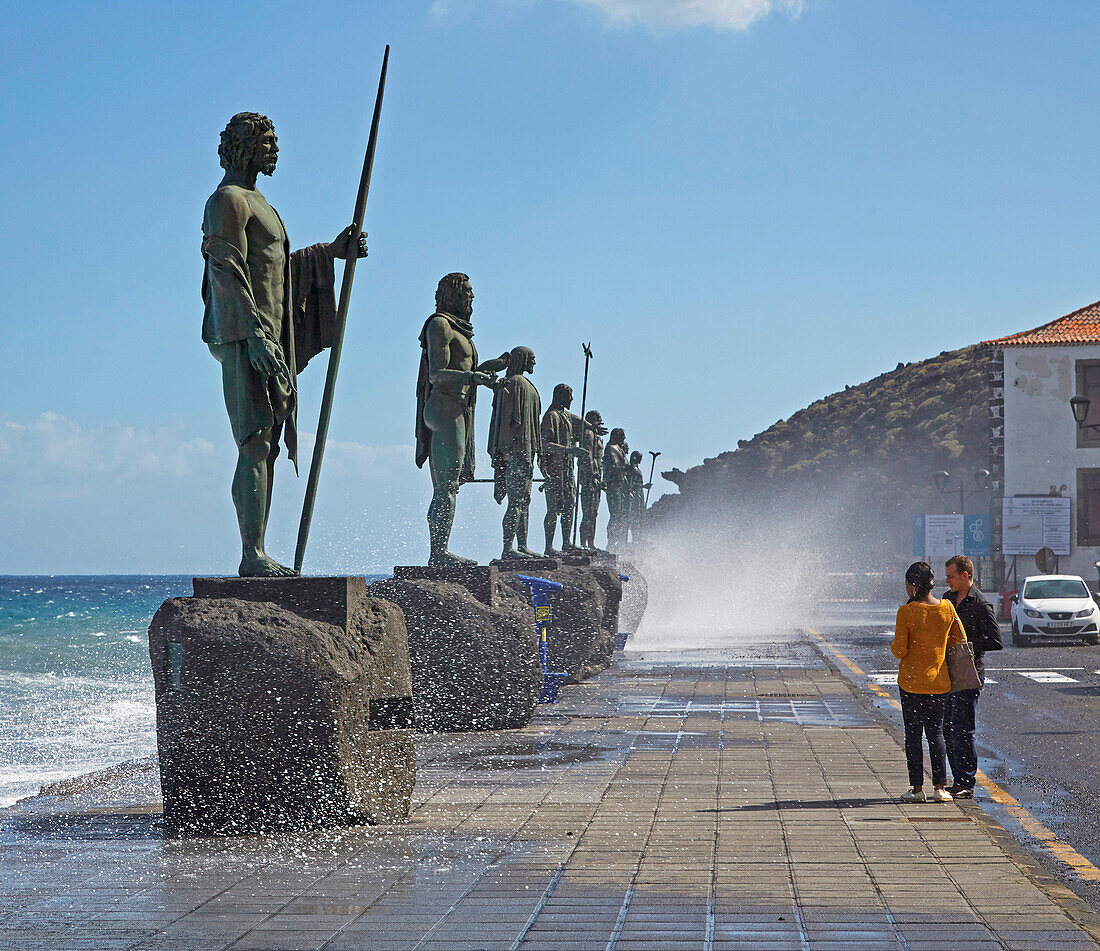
[(923, 716), (958, 731)]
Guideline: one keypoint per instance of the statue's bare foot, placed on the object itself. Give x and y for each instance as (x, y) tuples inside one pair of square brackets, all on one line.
[(527, 552), (571, 548), (509, 553), (552, 552), (261, 566), (448, 559)]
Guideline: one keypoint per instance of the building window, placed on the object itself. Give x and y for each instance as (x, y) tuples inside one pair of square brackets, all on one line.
[(1088, 384), (1088, 507)]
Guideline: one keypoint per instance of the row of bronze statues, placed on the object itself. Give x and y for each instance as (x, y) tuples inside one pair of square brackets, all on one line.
[(268, 311), (566, 448)]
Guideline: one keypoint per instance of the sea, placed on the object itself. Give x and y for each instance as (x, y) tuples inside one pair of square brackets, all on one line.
[(76, 689)]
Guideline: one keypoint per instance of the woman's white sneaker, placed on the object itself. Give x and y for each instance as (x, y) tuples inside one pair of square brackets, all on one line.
[(942, 795), (913, 796)]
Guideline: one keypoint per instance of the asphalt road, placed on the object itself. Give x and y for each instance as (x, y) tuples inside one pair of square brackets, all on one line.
[(1038, 730)]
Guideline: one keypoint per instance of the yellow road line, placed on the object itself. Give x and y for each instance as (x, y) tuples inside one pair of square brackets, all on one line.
[(1047, 840)]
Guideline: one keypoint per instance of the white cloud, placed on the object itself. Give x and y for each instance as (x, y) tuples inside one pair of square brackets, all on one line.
[(358, 459), (54, 451), (658, 16), (53, 456), (664, 15)]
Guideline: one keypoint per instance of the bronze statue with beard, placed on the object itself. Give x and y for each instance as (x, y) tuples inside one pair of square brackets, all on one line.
[(267, 312), (446, 393), (514, 442)]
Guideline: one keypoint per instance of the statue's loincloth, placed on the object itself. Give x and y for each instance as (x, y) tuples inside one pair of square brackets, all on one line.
[(254, 402)]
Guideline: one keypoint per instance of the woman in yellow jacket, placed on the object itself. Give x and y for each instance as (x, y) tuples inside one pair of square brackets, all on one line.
[(924, 628)]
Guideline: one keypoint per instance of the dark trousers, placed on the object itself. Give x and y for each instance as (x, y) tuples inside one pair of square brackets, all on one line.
[(923, 715), (958, 731)]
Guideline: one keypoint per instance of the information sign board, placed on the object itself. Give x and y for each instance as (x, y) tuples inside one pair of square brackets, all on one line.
[(938, 537), (1033, 523)]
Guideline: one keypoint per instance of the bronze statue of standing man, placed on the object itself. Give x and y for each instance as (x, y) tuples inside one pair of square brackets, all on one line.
[(591, 476), (267, 312), (614, 486), (559, 431), (514, 442), (446, 392), (634, 496)]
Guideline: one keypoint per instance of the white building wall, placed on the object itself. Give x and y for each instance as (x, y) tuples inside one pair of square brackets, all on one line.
[(1041, 437)]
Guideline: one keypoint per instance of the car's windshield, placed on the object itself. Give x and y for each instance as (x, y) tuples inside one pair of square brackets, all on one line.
[(1055, 588)]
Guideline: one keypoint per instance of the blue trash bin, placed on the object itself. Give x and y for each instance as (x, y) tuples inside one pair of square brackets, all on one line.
[(540, 589)]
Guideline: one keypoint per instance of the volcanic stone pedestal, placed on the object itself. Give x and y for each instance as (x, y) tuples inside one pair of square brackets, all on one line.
[(472, 644), (282, 703), (585, 621)]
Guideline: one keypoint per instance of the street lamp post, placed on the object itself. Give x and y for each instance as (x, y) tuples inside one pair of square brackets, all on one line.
[(981, 479)]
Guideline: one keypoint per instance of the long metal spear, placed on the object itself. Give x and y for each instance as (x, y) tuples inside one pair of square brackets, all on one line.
[(652, 466), (587, 347), (341, 318)]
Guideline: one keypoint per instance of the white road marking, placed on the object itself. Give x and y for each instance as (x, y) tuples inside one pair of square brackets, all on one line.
[(891, 680), (1047, 677), (1037, 668)]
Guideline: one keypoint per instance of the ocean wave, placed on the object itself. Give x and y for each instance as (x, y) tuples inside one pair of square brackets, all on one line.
[(53, 680)]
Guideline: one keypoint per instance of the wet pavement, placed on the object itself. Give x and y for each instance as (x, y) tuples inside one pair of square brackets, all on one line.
[(738, 800)]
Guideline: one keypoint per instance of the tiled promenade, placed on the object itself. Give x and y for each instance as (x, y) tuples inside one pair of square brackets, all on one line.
[(717, 802)]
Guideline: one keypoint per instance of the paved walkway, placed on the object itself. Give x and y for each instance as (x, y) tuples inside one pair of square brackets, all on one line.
[(711, 802)]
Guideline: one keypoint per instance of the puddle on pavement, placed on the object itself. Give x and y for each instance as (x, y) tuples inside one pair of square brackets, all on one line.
[(527, 754)]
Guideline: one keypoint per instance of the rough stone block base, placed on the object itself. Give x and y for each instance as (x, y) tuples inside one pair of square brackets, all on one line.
[(472, 645), (281, 704)]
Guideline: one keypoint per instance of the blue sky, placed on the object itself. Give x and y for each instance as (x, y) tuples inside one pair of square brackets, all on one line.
[(743, 205)]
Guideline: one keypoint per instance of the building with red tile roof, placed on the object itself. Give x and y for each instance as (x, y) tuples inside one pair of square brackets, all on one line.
[(1046, 469)]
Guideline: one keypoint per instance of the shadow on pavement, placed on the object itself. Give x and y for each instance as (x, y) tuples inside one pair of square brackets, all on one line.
[(805, 804)]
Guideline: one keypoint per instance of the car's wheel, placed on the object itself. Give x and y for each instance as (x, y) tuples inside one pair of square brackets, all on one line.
[(1018, 640)]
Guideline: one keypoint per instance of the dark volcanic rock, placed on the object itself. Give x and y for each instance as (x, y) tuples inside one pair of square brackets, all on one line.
[(585, 619), (475, 661), (270, 720)]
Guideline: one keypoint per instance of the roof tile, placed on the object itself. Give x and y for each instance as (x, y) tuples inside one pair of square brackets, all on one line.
[(1082, 326)]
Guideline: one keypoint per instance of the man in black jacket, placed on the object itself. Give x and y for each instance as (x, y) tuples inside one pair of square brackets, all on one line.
[(984, 633)]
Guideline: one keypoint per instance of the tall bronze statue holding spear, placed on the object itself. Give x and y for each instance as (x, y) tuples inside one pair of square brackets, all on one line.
[(267, 311)]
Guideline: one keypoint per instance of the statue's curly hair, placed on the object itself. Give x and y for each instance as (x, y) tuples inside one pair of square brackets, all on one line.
[(447, 290), (240, 140)]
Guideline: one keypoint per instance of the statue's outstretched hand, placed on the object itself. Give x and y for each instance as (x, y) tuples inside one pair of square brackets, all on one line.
[(267, 358), (480, 378), (339, 245)]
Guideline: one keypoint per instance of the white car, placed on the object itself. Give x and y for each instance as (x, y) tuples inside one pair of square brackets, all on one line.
[(1054, 606)]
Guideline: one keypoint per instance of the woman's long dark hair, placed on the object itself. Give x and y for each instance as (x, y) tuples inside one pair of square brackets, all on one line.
[(922, 577)]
